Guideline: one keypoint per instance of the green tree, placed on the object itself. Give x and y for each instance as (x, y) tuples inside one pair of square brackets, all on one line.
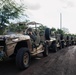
[(18, 27), (66, 30), (8, 10), (53, 29), (59, 31), (42, 27)]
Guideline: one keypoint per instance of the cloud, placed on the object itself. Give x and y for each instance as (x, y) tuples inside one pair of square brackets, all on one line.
[(71, 4), (32, 5), (67, 3)]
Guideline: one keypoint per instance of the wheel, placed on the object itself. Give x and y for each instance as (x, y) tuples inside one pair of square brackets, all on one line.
[(23, 58), (46, 51), (67, 42), (61, 37), (72, 42), (54, 47), (47, 33), (62, 43), (60, 46)]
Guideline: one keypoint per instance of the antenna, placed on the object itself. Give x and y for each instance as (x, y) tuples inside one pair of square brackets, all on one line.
[(60, 20)]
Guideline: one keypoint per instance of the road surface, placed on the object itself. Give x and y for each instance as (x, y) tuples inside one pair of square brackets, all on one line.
[(62, 62)]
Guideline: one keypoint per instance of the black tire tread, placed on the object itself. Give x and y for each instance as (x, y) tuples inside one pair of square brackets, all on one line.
[(19, 56)]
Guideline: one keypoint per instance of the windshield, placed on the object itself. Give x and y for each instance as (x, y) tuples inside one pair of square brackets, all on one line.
[(8, 33)]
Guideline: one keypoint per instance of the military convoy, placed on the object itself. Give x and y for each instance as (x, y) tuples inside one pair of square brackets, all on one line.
[(22, 46)]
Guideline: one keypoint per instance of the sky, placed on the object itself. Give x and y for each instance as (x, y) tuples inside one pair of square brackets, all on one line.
[(48, 12)]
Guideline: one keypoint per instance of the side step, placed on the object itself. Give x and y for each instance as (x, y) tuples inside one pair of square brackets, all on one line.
[(36, 52)]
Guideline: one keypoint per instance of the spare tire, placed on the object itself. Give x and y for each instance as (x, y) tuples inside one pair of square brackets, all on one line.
[(61, 37), (67, 37), (47, 33)]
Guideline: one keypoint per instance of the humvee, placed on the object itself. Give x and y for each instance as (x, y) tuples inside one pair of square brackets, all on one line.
[(71, 40), (55, 40), (22, 47), (67, 39), (74, 40)]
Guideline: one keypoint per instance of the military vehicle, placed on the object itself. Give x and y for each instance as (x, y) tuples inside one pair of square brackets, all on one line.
[(23, 47)]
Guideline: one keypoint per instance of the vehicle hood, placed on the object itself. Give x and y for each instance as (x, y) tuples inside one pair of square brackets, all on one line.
[(15, 37)]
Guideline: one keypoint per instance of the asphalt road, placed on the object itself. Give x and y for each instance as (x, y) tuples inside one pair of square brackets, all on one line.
[(62, 62)]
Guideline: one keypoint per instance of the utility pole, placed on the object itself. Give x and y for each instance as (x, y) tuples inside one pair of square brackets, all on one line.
[(60, 20)]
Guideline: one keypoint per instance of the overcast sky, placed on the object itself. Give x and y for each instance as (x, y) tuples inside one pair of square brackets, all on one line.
[(48, 12)]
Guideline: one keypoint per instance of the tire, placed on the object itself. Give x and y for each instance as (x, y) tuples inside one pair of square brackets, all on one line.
[(54, 47), (20, 58), (72, 42), (62, 44), (61, 37), (46, 51), (47, 33), (67, 37), (67, 42)]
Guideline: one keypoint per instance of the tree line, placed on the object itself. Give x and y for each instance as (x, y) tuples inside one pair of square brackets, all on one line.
[(10, 10)]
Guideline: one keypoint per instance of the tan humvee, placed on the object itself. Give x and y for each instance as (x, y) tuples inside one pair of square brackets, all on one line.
[(22, 47)]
